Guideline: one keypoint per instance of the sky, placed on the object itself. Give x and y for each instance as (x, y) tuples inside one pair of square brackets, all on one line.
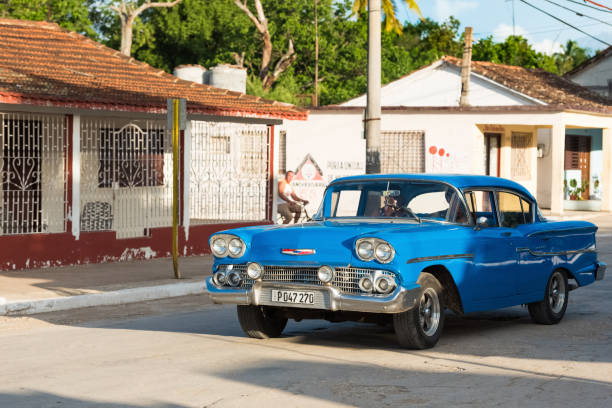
[(494, 17)]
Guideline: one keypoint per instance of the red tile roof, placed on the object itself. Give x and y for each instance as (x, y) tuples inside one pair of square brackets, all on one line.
[(541, 85), (43, 64)]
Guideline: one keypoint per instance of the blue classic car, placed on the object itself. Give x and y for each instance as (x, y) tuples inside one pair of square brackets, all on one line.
[(401, 249)]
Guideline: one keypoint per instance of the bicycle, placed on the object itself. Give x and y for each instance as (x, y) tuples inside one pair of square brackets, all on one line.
[(304, 216)]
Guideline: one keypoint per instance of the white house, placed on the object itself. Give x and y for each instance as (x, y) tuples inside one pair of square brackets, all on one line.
[(527, 125), (595, 73)]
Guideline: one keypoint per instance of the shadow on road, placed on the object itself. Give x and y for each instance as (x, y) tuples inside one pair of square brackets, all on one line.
[(32, 399)]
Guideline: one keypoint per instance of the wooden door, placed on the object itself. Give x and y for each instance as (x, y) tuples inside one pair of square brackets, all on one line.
[(578, 157)]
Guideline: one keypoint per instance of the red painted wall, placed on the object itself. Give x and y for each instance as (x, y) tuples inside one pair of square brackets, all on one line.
[(46, 250)]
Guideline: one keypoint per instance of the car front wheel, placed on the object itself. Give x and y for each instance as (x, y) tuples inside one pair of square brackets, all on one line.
[(421, 326), (551, 309), (259, 322)]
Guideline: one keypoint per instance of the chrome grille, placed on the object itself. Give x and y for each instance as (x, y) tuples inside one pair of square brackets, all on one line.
[(346, 279)]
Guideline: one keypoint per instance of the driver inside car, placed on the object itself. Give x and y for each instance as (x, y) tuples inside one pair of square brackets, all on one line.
[(392, 207)]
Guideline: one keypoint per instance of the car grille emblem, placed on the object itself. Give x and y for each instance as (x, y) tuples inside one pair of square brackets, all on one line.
[(298, 251)]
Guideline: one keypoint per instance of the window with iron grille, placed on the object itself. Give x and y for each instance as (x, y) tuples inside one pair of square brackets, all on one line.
[(32, 173), (282, 152), (131, 157), (402, 152), (521, 162)]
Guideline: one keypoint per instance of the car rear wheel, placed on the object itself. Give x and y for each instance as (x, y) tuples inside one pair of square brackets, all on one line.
[(421, 326), (259, 322), (551, 309)]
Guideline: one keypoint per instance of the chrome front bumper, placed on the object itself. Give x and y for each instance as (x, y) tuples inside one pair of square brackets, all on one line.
[(600, 271), (326, 297)]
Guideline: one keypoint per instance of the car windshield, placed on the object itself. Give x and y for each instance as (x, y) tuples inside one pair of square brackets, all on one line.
[(392, 199)]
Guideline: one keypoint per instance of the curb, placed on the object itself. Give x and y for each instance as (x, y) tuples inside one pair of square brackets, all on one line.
[(117, 297)]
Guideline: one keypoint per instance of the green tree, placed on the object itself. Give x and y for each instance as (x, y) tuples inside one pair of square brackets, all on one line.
[(70, 14), (572, 56)]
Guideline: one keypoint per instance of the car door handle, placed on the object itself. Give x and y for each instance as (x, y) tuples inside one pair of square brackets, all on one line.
[(506, 234)]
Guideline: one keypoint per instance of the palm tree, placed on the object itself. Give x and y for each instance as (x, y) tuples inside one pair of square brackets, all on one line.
[(373, 109), (572, 56)]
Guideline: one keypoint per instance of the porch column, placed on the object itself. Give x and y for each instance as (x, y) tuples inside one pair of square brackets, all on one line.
[(76, 176), (606, 171), (505, 156), (557, 166)]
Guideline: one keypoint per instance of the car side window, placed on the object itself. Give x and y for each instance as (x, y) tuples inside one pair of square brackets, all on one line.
[(480, 204), (513, 210)]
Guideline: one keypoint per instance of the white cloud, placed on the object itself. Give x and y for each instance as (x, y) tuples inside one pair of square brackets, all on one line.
[(446, 8), (545, 46)]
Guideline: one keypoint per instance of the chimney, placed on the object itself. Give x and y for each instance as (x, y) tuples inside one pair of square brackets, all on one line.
[(466, 67)]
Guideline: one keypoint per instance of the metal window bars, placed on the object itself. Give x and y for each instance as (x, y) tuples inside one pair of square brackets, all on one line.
[(33, 177), (126, 176), (229, 172)]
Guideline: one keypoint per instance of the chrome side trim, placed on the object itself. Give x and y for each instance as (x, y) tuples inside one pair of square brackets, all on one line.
[(537, 253), (400, 300), (439, 258), (562, 231)]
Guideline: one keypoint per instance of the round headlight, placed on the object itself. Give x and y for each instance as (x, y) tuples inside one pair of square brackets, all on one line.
[(384, 252), (254, 270), (326, 274), (365, 250), (384, 284), (219, 278), (219, 247), (235, 247), (233, 278), (366, 284)]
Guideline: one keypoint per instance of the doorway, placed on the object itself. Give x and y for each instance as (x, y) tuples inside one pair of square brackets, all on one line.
[(578, 162), (492, 149)]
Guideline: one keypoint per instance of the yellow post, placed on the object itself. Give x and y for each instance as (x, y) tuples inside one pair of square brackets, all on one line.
[(175, 186)]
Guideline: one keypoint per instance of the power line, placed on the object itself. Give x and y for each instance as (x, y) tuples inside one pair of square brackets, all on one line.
[(578, 13), (548, 30), (564, 22), (589, 6), (600, 5)]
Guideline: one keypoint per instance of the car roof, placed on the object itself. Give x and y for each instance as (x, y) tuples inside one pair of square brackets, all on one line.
[(461, 181)]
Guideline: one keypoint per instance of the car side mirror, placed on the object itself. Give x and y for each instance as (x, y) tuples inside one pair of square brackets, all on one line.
[(481, 222)]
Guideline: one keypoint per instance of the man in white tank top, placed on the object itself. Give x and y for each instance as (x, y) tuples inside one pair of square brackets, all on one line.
[(287, 201)]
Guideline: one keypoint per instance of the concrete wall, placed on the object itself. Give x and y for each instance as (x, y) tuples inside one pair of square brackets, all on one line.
[(596, 76), (440, 85), (333, 140)]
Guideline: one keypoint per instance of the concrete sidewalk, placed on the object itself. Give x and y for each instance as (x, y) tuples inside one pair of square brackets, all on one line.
[(61, 288)]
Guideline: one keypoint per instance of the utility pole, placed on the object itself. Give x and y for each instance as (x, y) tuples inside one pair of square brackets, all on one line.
[(315, 100), (373, 109), (466, 67), (513, 21)]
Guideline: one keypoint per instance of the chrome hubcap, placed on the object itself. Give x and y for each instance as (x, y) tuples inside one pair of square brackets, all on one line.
[(556, 292), (429, 312)]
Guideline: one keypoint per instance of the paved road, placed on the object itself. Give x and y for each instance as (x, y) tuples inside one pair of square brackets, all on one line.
[(186, 352)]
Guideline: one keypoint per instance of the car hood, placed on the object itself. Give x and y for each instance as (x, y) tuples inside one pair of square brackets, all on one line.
[(332, 241)]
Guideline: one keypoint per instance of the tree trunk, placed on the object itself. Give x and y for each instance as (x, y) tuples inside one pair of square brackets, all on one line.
[(128, 13), (261, 23), (126, 36), (373, 109)]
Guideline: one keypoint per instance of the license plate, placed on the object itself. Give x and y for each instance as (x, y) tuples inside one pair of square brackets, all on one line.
[(293, 296)]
